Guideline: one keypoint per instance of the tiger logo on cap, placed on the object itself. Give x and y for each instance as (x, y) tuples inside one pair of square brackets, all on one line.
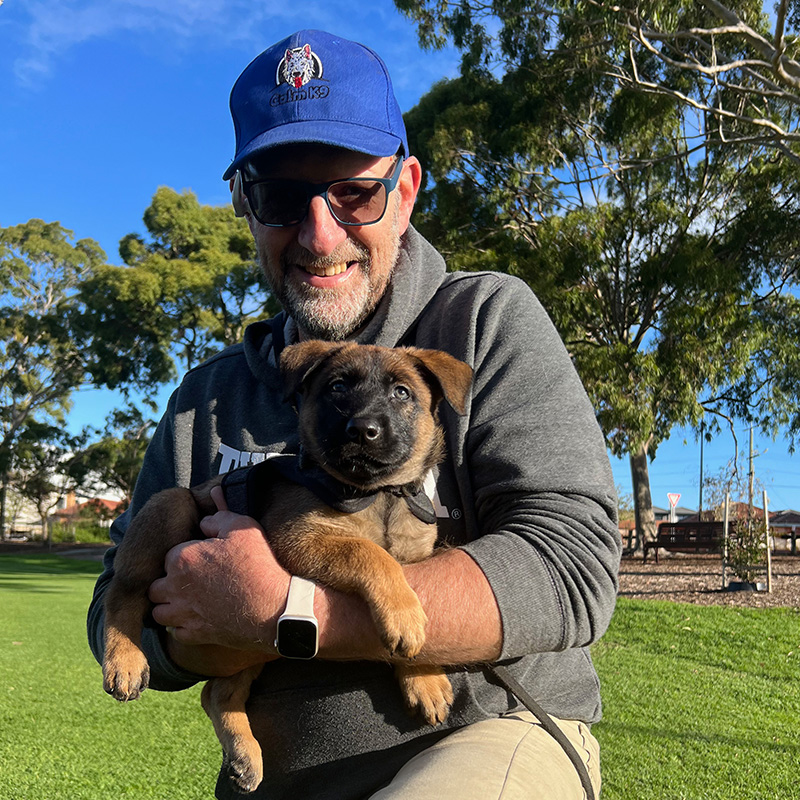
[(298, 66)]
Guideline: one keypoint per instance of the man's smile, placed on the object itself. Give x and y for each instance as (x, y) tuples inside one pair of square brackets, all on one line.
[(325, 275), (328, 270)]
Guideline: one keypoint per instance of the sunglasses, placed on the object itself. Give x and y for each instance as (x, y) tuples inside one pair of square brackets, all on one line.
[(279, 203)]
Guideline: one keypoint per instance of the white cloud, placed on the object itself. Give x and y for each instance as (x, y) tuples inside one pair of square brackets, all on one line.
[(47, 30), (53, 27)]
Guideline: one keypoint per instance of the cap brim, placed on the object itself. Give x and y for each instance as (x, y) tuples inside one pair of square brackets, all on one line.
[(349, 136)]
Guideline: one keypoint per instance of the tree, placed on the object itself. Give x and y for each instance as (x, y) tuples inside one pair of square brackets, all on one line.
[(742, 61), (660, 253), (735, 62), (69, 320), (41, 359), (39, 473), (114, 460), (186, 291)]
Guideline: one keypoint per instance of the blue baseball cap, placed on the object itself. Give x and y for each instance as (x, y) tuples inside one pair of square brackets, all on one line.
[(314, 87)]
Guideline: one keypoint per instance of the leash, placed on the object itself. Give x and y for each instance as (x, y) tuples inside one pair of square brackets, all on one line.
[(506, 679)]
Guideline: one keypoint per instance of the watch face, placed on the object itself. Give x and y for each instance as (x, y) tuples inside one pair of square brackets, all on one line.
[(297, 638)]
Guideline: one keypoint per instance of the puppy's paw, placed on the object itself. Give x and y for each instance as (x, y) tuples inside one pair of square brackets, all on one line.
[(244, 768), (126, 678), (402, 626), (126, 672), (427, 691)]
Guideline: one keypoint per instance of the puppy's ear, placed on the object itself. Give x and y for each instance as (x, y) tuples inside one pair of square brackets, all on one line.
[(447, 376), (300, 361)]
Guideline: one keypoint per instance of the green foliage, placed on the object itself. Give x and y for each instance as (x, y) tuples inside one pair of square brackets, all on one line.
[(38, 467), (747, 552), (113, 460), (185, 292), (41, 361), (735, 62), (43, 358), (661, 237), (85, 531)]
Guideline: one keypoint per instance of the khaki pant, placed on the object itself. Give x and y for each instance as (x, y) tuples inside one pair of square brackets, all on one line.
[(509, 758)]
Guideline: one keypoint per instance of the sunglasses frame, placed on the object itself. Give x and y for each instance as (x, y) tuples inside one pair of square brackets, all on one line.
[(321, 189)]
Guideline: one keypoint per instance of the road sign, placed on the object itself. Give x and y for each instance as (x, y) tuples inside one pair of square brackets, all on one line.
[(673, 499)]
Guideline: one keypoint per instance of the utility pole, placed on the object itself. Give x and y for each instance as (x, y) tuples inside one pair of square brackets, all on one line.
[(702, 439), (751, 483)]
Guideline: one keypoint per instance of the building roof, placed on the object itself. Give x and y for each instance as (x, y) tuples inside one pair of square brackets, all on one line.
[(681, 511), (102, 503), (787, 518)]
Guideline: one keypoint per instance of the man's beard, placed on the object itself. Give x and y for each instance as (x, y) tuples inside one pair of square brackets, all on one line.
[(334, 314), (328, 313)]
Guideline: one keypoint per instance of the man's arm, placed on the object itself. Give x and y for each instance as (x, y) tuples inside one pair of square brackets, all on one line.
[(222, 596), (464, 624)]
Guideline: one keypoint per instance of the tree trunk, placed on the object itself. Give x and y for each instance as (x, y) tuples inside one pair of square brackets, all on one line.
[(3, 495), (46, 541), (643, 504)]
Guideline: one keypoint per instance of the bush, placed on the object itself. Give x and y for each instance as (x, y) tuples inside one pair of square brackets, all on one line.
[(79, 532), (747, 554)]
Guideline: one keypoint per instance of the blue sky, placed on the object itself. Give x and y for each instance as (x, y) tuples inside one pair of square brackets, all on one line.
[(103, 101)]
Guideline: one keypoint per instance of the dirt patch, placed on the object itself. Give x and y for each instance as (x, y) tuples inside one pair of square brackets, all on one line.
[(698, 579)]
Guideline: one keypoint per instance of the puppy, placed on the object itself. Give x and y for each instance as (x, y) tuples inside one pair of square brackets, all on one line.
[(367, 424)]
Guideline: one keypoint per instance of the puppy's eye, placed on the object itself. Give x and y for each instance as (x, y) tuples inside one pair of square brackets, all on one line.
[(401, 393), (338, 387)]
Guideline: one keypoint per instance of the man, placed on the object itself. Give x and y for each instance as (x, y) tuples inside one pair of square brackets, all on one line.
[(525, 495)]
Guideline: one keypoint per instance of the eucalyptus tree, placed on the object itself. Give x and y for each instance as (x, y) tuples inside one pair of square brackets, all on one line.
[(184, 291), (42, 360), (662, 250), (111, 458)]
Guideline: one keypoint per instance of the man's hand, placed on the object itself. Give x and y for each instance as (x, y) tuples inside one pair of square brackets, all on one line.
[(221, 596)]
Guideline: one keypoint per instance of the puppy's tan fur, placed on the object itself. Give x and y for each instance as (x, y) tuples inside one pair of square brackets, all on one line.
[(360, 552)]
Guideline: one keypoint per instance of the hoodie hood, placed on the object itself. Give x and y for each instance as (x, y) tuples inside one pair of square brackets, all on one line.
[(418, 275)]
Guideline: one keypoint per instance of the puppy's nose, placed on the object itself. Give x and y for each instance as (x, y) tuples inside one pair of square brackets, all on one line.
[(365, 429)]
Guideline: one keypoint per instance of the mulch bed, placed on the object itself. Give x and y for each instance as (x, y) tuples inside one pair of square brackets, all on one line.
[(679, 578), (698, 579)]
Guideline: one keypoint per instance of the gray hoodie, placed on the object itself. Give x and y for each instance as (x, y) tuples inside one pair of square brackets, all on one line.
[(526, 490)]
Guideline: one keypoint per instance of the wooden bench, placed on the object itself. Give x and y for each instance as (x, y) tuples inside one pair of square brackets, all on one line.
[(687, 537)]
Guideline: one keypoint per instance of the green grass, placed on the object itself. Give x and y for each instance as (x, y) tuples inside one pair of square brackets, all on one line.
[(61, 736), (700, 703)]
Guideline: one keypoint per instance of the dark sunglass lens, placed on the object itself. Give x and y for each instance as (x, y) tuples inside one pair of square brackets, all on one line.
[(278, 202), (357, 202)]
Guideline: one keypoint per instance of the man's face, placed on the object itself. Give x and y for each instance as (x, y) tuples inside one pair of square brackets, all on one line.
[(329, 276)]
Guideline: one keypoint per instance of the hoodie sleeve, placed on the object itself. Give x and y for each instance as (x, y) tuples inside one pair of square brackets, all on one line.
[(537, 469)]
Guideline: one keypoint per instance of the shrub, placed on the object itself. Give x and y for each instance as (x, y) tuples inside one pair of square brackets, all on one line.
[(747, 555), (81, 531)]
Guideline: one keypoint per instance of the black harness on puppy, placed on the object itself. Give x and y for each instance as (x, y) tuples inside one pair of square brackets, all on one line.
[(244, 488)]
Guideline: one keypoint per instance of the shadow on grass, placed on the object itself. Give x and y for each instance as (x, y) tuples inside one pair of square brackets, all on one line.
[(45, 564), (643, 733)]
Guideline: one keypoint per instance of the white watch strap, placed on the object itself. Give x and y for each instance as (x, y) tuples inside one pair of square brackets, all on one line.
[(300, 600)]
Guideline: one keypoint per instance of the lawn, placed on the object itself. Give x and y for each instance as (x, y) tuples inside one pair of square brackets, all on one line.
[(700, 703), (61, 736)]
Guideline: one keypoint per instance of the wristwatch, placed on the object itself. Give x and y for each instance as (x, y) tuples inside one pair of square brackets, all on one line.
[(298, 629)]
